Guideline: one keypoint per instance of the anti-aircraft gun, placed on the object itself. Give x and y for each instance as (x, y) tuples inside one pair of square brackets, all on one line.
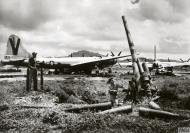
[(141, 72)]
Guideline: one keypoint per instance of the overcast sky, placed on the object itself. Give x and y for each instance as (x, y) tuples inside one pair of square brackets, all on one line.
[(59, 27)]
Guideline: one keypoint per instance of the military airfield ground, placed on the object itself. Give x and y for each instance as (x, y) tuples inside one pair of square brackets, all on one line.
[(44, 110)]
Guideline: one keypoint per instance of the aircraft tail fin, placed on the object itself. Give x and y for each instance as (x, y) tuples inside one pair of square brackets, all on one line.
[(155, 53), (169, 59), (15, 48)]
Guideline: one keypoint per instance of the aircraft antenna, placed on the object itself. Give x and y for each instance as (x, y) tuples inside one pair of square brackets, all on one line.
[(154, 52)]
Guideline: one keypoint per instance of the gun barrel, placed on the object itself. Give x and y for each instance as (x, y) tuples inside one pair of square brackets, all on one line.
[(132, 50)]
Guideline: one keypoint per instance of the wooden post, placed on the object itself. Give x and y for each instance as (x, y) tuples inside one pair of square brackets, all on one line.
[(28, 83), (41, 78), (35, 79)]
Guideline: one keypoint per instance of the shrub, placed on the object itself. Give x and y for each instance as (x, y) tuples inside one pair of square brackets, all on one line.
[(167, 92), (68, 90), (51, 117), (185, 102), (89, 97), (74, 100), (61, 95)]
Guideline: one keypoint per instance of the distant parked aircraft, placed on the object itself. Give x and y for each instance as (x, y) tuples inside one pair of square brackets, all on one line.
[(166, 66), (161, 66)]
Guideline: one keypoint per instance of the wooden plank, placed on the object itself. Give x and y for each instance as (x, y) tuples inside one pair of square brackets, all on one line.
[(92, 107), (122, 109)]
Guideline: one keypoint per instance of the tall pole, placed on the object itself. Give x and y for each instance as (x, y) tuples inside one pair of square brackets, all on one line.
[(28, 82), (134, 62), (132, 50), (41, 78), (154, 52)]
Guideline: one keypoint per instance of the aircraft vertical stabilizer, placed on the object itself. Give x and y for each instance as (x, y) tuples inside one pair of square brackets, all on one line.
[(15, 48), (155, 53)]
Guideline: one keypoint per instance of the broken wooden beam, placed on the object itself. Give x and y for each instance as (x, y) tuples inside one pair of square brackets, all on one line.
[(155, 98), (92, 107), (32, 106), (122, 109), (6, 107), (157, 113), (153, 105)]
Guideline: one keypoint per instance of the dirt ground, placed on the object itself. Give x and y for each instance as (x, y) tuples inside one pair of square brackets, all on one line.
[(43, 110)]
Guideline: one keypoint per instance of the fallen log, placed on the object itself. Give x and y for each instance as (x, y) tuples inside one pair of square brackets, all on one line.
[(153, 105), (157, 113), (31, 106), (6, 107), (122, 109), (92, 107)]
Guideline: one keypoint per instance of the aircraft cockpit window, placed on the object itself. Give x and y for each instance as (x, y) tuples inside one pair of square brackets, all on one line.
[(7, 57)]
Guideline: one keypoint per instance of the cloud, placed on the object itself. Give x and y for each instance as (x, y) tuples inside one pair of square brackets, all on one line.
[(97, 20), (173, 44), (23, 15), (63, 26), (171, 11)]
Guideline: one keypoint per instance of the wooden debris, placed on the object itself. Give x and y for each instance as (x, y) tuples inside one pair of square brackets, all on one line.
[(153, 105), (156, 113), (155, 98), (32, 106), (122, 109), (92, 107)]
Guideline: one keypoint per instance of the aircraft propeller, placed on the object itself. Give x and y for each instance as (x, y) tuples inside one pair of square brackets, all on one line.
[(185, 60), (119, 53), (112, 54)]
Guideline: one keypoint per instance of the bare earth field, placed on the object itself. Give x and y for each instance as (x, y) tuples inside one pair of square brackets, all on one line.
[(43, 111)]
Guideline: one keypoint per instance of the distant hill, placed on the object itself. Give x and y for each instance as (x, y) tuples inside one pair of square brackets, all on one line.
[(84, 53)]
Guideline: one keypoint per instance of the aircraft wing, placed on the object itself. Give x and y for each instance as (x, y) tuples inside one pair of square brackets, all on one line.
[(174, 64), (99, 60), (15, 62), (168, 64)]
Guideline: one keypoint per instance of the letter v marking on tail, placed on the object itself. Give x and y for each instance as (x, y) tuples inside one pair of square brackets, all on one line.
[(14, 48)]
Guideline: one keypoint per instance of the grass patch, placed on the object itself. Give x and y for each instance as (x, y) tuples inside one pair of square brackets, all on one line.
[(174, 93), (169, 92), (70, 91)]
